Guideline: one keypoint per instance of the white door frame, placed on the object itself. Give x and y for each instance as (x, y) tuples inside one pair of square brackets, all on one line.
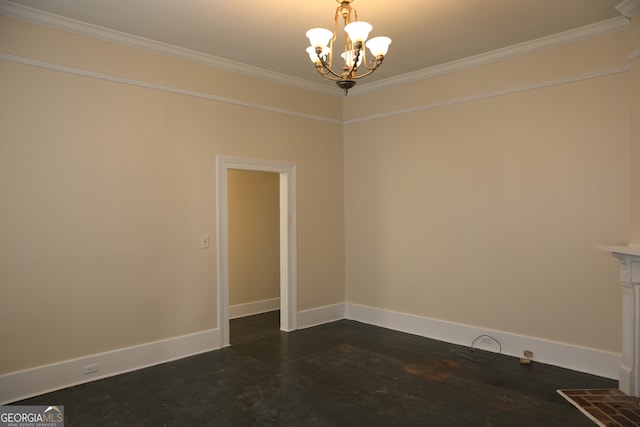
[(288, 249)]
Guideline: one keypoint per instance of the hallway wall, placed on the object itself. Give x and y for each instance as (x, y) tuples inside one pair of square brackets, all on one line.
[(108, 180)]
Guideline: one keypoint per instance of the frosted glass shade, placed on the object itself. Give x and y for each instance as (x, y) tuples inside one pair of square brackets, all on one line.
[(378, 46), (348, 58), (358, 31), (319, 36), (312, 53)]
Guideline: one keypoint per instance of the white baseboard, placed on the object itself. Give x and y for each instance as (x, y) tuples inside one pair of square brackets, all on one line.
[(251, 308), (319, 315), (20, 385), (582, 359)]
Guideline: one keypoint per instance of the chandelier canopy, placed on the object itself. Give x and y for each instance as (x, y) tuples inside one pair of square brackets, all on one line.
[(354, 54)]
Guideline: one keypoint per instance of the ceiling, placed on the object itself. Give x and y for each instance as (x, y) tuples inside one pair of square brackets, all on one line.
[(270, 35)]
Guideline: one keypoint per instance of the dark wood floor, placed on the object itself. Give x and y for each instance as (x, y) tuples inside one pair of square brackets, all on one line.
[(340, 374), (251, 328)]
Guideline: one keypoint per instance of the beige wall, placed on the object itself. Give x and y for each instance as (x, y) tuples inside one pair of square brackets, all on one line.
[(484, 204), (254, 236), (635, 128), (106, 187)]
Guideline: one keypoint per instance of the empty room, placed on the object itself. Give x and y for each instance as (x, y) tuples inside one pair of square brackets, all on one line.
[(203, 224)]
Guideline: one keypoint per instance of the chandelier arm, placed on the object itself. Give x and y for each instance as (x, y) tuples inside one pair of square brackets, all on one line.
[(327, 66), (333, 38), (375, 63), (328, 76), (363, 50), (330, 55), (327, 72), (363, 75)]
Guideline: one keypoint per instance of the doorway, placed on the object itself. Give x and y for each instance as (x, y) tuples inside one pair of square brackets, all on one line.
[(287, 238), (254, 254)]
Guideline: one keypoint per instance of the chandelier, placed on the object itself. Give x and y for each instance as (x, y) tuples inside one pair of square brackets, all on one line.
[(354, 55)]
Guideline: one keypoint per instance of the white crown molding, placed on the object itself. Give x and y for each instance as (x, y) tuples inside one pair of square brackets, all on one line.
[(609, 26), (507, 91), (628, 7), (501, 92), (36, 16), (155, 86)]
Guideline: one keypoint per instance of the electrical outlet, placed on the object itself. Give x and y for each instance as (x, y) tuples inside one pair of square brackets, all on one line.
[(528, 354), (91, 368)]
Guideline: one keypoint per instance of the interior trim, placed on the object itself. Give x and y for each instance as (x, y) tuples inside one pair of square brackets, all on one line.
[(572, 36), (501, 92), (628, 7), (154, 86), (31, 382), (288, 239), (40, 17), (578, 358), (254, 307), (603, 28), (319, 315), (19, 385)]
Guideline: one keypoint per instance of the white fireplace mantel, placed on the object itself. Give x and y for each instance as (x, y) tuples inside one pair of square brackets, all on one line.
[(629, 374)]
